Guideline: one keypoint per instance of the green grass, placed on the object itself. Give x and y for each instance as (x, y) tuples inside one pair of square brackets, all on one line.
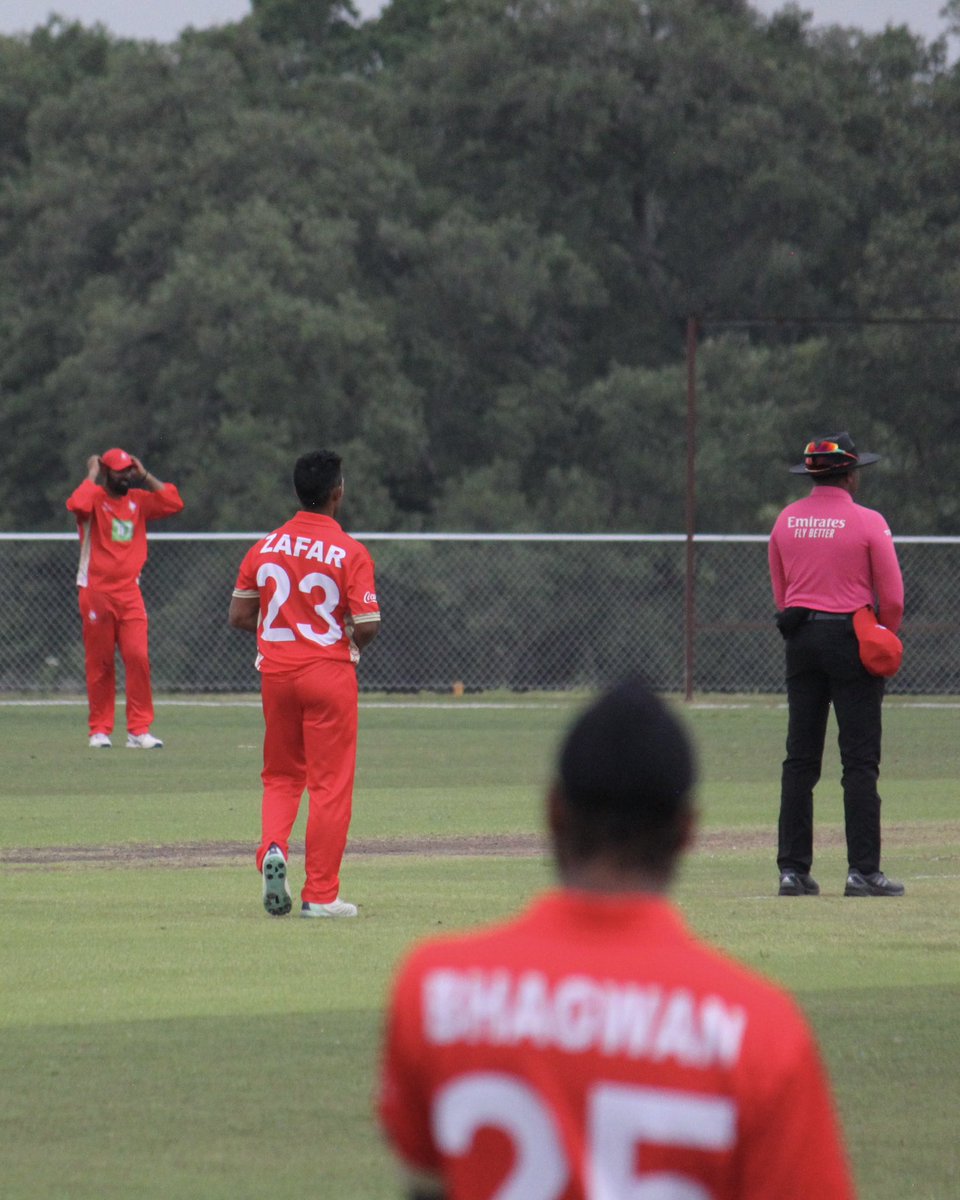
[(160, 1037)]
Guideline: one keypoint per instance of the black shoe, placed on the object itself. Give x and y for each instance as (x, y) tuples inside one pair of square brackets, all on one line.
[(798, 883), (875, 884)]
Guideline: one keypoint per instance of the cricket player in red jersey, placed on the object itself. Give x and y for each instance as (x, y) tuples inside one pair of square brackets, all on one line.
[(830, 556), (592, 1048), (112, 507), (308, 591)]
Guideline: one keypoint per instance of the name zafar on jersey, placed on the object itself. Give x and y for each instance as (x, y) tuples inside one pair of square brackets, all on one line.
[(579, 1014), (303, 547)]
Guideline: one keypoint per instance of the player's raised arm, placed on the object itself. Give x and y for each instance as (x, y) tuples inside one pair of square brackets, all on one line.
[(113, 550)]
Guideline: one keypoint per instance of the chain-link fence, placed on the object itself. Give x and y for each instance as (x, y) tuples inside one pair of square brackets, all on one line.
[(519, 612)]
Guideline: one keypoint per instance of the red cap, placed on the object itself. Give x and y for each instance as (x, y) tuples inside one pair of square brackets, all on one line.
[(116, 459), (881, 651)]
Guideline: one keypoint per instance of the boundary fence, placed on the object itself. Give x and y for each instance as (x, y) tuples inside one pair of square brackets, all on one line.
[(518, 612)]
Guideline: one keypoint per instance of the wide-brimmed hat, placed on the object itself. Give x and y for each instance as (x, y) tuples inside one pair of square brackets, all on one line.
[(830, 453), (116, 459)]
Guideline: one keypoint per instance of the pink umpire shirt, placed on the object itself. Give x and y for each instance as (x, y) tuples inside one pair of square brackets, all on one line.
[(829, 553)]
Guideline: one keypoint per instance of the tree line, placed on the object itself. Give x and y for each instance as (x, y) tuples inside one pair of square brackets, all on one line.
[(460, 244)]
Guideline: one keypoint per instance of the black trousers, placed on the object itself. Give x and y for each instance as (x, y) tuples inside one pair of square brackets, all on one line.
[(823, 667)]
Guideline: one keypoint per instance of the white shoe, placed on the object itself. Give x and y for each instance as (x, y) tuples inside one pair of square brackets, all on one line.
[(143, 741), (336, 908), (100, 741), (276, 890)]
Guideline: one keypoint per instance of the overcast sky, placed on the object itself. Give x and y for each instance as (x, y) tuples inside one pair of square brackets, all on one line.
[(163, 20)]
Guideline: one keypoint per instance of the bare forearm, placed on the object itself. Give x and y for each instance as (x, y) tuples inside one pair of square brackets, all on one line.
[(151, 483), (244, 613), (364, 633)]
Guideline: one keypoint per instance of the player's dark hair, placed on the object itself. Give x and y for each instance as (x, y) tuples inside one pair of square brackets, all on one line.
[(627, 772), (836, 478), (315, 477)]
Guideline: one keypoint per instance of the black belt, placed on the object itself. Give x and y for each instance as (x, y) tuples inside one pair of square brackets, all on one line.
[(825, 616)]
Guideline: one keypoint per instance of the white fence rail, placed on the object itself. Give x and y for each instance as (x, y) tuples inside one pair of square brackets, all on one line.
[(514, 611)]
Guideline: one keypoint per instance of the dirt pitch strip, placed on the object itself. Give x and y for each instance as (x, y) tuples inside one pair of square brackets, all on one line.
[(184, 855), (215, 854)]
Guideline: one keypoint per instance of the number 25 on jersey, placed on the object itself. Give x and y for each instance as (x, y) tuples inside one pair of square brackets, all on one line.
[(620, 1119)]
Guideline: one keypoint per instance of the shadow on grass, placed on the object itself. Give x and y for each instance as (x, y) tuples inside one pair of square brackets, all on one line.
[(894, 1058), (201, 1108)]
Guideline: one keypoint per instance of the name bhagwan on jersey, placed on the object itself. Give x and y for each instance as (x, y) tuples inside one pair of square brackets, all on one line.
[(579, 1014), (592, 1049)]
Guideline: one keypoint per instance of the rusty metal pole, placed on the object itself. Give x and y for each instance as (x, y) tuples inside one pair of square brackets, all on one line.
[(690, 605)]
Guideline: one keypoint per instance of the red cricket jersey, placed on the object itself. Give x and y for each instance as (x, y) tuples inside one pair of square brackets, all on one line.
[(113, 531), (593, 1049), (314, 582), (829, 553)]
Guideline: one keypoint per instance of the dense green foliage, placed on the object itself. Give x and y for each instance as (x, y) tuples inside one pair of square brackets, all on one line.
[(461, 243)]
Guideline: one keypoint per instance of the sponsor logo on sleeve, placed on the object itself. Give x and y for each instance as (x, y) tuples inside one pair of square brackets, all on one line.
[(369, 597)]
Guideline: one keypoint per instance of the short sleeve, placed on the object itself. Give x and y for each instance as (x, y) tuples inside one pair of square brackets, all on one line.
[(246, 582), (792, 1131), (362, 589)]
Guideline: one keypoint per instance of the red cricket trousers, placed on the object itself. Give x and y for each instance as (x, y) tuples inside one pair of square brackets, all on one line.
[(310, 742), (110, 620)]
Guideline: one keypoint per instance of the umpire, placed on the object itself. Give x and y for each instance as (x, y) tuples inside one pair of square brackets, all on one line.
[(830, 556)]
